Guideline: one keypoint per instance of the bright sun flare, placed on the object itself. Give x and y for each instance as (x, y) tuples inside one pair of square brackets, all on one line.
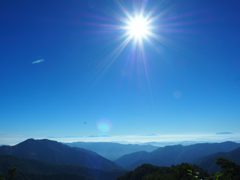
[(138, 27)]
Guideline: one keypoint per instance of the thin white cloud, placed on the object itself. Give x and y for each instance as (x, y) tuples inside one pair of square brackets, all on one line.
[(12, 139), (154, 138), (148, 135), (38, 61), (131, 139), (224, 133), (39, 132), (62, 137), (104, 136)]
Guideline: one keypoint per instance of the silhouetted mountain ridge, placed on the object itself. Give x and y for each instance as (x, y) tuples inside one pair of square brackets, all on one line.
[(173, 155), (57, 153), (208, 162), (112, 150), (34, 169)]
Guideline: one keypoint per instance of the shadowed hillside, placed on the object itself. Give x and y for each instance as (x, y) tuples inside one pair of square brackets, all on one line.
[(57, 153), (150, 172), (172, 155), (208, 162), (111, 150), (35, 169)]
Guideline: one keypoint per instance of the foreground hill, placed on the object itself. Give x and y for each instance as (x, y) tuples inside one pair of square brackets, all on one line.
[(110, 150), (208, 162), (57, 153), (37, 170), (172, 155), (150, 172)]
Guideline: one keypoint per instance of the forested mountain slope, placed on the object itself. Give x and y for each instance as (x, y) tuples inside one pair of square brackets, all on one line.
[(172, 155), (208, 162), (35, 169), (111, 150), (150, 172), (57, 153)]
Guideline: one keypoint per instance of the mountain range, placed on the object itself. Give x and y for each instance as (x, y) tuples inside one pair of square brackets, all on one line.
[(57, 153), (46, 159), (166, 143), (110, 150), (208, 162), (173, 155)]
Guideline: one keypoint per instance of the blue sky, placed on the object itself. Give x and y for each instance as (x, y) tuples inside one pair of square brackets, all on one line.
[(181, 83)]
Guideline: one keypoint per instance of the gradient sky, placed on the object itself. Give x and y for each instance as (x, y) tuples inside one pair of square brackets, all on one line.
[(62, 64)]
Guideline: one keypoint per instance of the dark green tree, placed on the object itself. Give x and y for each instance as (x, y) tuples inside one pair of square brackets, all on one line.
[(11, 174), (157, 176), (230, 170), (2, 177), (180, 172)]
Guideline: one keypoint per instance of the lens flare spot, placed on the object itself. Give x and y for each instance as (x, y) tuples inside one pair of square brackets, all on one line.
[(177, 94), (104, 125)]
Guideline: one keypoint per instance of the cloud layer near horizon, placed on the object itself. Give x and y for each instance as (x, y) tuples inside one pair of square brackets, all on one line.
[(218, 137)]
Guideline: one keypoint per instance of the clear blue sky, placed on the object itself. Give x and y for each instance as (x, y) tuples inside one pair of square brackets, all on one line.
[(184, 85)]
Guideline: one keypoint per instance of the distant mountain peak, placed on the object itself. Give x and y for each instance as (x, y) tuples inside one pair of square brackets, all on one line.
[(57, 153), (176, 154)]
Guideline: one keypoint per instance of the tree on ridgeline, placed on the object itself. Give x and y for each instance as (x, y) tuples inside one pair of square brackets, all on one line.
[(178, 172), (11, 174), (230, 170)]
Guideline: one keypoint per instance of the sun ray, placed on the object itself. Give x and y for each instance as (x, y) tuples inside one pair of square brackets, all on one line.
[(110, 59), (142, 27)]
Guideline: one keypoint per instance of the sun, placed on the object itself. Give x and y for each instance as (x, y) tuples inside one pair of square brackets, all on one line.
[(137, 27)]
